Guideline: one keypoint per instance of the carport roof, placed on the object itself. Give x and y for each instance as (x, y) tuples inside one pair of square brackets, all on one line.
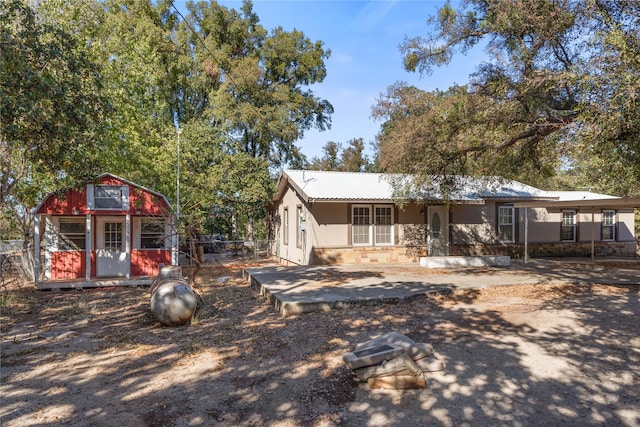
[(604, 202)]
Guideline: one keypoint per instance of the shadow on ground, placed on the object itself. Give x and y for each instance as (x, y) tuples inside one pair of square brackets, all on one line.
[(557, 355)]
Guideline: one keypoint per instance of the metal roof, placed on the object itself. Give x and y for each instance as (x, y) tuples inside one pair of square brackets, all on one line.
[(359, 186), (607, 202)]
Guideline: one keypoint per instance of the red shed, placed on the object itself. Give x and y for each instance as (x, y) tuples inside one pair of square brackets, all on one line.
[(110, 229)]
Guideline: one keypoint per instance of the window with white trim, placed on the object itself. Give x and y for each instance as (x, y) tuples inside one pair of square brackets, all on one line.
[(152, 235), (372, 225), (108, 197), (285, 226), (506, 224), (361, 225), (609, 225), (73, 236), (299, 225), (568, 228), (383, 229)]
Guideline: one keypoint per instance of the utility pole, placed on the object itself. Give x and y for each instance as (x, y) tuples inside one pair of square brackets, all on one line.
[(179, 130), (176, 257)]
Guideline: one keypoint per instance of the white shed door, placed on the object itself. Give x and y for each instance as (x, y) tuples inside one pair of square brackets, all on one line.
[(111, 255)]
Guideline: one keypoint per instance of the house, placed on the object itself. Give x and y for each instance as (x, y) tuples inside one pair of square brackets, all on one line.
[(111, 228), (343, 217)]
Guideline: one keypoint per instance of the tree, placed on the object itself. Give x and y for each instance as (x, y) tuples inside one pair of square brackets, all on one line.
[(330, 160), (560, 81), (335, 158), (353, 157), (219, 75), (263, 95), (51, 106)]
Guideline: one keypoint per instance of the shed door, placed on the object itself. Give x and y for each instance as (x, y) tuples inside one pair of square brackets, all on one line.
[(111, 257), (437, 238)]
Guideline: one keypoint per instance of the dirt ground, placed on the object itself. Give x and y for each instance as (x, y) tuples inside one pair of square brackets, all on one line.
[(514, 356)]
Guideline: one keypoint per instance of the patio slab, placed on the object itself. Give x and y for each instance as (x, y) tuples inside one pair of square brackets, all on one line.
[(302, 289)]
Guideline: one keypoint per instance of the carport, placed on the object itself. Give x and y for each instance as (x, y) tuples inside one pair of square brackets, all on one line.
[(594, 205)]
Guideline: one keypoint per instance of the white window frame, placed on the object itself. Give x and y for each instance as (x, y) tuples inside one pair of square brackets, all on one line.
[(377, 226), (122, 198), (511, 224), (285, 226), (299, 224), (574, 225), (353, 225), (161, 235), (66, 238), (611, 225), (114, 236)]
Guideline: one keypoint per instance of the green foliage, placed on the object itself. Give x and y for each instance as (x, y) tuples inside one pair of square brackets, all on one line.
[(558, 89), (335, 158), (51, 107), (113, 80)]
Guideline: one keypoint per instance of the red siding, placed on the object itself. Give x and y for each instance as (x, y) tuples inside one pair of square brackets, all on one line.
[(68, 265), (66, 203), (141, 202), (145, 262)]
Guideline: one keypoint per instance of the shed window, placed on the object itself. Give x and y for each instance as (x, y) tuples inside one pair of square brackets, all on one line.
[(568, 229), (152, 234), (72, 235), (608, 225), (108, 197), (505, 224), (113, 236)]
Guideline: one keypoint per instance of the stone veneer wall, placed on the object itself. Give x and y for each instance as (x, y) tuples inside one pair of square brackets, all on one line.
[(564, 249), (401, 254), (364, 255)]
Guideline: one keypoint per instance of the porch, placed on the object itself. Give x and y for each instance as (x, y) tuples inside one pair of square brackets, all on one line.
[(98, 282)]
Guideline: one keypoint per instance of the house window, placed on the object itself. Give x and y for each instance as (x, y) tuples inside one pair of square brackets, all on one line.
[(369, 222), (108, 197), (73, 235), (300, 226), (608, 225), (383, 229), (568, 229), (361, 225), (152, 234), (506, 224), (285, 226)]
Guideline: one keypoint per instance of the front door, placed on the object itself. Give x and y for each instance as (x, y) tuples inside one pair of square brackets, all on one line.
[(111, 255), (437, 226)]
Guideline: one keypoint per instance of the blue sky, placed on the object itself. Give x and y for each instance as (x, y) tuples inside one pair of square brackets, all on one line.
[(363, 37)]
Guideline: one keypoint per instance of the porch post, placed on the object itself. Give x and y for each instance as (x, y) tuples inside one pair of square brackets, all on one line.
[(447, 227), (127, 243), (88, 246), (526, 235), (593, 236), (36, 250)]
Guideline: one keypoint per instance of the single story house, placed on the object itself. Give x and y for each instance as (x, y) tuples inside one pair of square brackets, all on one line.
[(342, 217), (111, 228)]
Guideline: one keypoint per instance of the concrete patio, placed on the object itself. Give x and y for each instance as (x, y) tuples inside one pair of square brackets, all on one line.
[(296, 290)]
